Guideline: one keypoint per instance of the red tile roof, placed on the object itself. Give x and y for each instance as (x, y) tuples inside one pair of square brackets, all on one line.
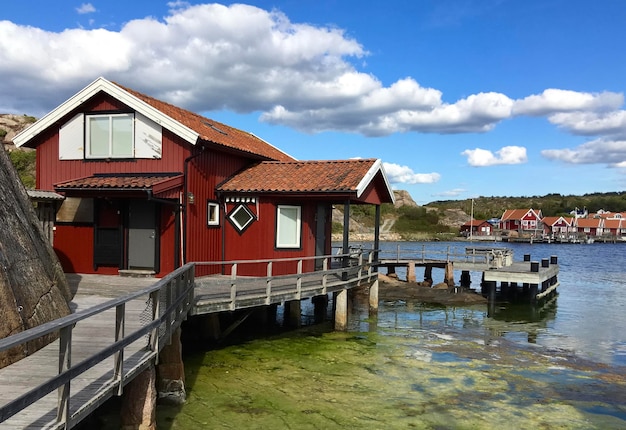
[(213, 131), (300, 177), (116, 182)]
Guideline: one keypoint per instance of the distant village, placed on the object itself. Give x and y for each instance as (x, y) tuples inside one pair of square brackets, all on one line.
[(529, 225)]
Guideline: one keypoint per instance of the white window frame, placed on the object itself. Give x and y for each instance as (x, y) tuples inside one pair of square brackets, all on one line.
[(297, 243), (88, 149), (213, 213)]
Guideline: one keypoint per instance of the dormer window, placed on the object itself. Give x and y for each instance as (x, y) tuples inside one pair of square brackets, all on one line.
[(110, 136)]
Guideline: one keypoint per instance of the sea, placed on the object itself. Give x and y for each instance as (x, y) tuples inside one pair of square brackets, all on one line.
[(421, 366)]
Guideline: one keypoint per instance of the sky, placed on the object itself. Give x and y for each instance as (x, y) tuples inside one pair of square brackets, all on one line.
[(458, 98)]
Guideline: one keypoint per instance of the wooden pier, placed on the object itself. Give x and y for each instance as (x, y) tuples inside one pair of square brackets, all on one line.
[(121, 329), (502, 278)]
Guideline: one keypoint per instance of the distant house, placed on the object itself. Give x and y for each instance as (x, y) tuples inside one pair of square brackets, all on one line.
[(476, 228), (148, 186), (558, 227), (589, 227), (524, 221), (614, 228)]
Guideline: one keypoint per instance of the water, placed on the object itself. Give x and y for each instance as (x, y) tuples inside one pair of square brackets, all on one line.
[(431, 367)]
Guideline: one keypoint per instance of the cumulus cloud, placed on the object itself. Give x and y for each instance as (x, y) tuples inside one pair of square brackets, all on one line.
[(451, 193), (85, 8), (553, 101), (598, 151), (398, 174), (506, 155), (210, 57), (592, 123)]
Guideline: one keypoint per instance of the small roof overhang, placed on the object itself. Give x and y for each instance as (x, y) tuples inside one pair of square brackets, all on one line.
[(44, 196), (155, 184), (359, 180)]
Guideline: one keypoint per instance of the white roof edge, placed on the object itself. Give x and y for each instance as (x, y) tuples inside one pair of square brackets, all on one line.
[(369, 176), (101, 84)]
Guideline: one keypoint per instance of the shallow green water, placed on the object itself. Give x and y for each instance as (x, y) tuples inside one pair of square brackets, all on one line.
[(394, 379)]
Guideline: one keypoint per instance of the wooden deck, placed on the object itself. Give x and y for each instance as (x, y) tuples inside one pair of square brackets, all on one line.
[(118, 326)]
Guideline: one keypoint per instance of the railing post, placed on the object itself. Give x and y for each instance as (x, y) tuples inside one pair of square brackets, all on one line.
[(268, 288), (369, 266), (233, 286), (156, 309), (168, 316), (423, 253), (397, 253), (325, 275), (299, 280), (65, 362), (118, 370), (360, 271)]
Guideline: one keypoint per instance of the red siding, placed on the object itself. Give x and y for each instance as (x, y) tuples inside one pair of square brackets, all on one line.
[(204, 173), (258, 240)]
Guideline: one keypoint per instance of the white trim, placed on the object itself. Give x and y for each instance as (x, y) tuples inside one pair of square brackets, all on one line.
[(120, 94), (210, 221), (369, 177), (298, 239)]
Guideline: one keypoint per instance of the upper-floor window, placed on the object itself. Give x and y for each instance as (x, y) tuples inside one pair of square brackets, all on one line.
[(110, 136)]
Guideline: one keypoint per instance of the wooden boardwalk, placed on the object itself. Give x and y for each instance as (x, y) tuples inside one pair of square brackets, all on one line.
[(118, 326)]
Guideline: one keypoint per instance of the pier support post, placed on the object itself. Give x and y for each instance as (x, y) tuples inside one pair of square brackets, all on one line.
[(341, 310), (374, 297), (428, 275), (211, 329), (293, 313), (410, 271), (449, 274), (534, 288), (491, 288), (466, 279), (320, 306), (171, 372), (139, 402)]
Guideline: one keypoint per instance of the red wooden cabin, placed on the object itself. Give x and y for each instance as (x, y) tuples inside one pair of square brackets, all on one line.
[(149, 186)]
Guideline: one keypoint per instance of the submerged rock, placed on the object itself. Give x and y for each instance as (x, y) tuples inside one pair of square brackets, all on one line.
[(394, 289)]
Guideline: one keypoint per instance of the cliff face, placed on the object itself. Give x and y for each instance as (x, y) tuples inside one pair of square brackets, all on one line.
[(10, 125), (403, 198)]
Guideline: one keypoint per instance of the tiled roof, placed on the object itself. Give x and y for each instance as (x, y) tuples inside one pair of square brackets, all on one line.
[(41, 195), (117, 182), (213, 131), (300, 176), (588, 222)]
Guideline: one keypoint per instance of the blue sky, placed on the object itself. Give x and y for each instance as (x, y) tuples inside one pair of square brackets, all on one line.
[(459, 98)]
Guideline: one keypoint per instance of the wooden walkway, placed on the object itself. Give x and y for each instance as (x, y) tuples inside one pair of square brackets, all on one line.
[(119, 325)]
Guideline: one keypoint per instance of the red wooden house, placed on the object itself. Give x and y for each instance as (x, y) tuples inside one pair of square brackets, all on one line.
[(477, 228), (149, 186), (589, 227), (522, 221), (558, 226)]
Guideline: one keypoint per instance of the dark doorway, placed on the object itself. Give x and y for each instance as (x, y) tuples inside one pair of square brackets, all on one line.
[(142, 235)]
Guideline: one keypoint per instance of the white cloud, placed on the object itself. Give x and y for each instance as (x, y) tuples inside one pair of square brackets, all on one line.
[(592, 123), (506, 155), (85, 8), (398, 174), (598, 151), (451, 193), (211, 56), (553, 101)]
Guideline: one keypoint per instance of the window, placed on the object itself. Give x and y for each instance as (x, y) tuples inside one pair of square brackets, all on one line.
[(110, 136), (241, 217), (213, 213), (288, 221)]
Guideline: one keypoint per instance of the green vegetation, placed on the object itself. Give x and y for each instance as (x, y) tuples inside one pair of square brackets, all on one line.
[(418, 219), (550, 204), (24, 162), (3, 133)]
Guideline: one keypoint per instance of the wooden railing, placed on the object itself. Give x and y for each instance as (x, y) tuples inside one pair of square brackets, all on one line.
[(169, 301), (337, 271), (489, 257)]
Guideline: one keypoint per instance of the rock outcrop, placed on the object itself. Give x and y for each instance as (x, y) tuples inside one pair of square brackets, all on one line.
[(33, 288)]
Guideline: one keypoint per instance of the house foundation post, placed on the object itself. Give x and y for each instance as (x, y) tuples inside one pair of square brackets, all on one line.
[(491, 288), (341, 310), (373, 293), (139, 402), (171, 372), (320, 307), (466, 279), (293, 313), (449, 274), (410, 271), (211, 328)]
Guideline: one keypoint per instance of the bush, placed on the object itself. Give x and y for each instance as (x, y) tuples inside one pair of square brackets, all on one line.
[(24, 162)]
